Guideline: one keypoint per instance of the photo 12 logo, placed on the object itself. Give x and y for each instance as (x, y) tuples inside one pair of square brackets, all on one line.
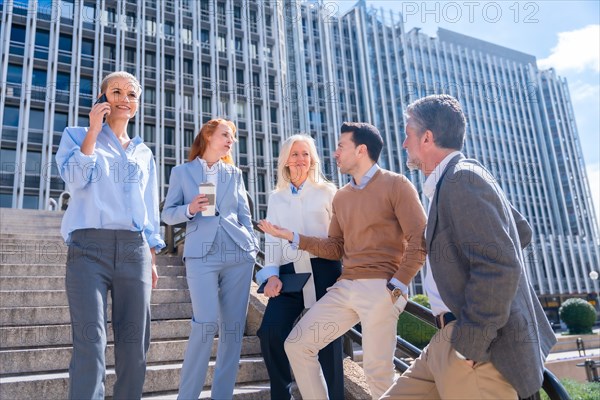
[(469, 11)]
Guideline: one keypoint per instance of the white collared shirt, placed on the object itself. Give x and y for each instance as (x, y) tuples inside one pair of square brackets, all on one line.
[(212, 173), (437, 304), (212, 176)]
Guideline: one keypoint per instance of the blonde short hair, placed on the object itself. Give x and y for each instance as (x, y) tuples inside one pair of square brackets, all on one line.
[(119, 74)]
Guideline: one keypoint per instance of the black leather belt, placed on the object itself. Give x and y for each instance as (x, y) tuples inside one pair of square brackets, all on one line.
[(444, 319)]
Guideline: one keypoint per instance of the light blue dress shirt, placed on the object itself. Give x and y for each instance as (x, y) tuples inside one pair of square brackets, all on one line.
[(114, 188)]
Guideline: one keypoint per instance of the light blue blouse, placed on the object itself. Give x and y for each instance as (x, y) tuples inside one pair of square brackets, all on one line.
[(114, 188)]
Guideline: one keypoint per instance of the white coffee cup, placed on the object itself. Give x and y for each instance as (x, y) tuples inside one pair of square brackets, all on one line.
[(210, 190)]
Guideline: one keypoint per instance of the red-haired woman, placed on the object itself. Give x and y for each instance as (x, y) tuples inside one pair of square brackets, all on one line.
[(219, 255)]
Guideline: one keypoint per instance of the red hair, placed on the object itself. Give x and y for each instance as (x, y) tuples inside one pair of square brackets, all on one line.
[(201, 142)]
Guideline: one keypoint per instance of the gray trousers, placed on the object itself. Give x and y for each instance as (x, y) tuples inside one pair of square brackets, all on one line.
[(219, 286), (99, 261)]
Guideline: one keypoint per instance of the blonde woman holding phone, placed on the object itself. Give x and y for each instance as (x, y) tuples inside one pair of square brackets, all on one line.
[(302, 201), (220, 249), (112, 228)]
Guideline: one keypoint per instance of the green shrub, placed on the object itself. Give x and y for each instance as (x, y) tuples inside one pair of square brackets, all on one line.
[(578, 390), (413, 329), (578, 315)]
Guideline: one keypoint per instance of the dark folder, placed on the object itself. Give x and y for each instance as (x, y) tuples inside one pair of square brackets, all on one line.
[(292, 283)]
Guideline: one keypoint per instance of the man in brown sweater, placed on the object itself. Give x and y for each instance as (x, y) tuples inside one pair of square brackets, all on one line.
[(377, 230)]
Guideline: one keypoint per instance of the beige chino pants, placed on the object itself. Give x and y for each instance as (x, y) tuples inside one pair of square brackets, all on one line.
[(440, 374), (345, 304)]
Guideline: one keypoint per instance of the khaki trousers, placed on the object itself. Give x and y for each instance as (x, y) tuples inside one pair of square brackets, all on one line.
[(440, 374), (345, 304)]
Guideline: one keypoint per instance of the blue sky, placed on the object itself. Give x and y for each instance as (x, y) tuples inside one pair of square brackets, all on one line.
[(561, 34)]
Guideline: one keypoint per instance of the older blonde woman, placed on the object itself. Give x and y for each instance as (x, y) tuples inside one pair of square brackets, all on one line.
[(301, 201)]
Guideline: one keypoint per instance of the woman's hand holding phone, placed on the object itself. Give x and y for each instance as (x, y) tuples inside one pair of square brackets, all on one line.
[(99, 111)]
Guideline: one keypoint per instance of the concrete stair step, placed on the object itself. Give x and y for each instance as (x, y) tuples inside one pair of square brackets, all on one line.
[(42, 298), (49, 255), (41, 229), (13, 218), (37, 257), (58, 358), (8, 270), (51, 236), (29, 213), (28, 220), (29, 316), (250, 391), (40, 226), (159, 378), (58, 282), (43, 257), (20, 337), (20, 244)]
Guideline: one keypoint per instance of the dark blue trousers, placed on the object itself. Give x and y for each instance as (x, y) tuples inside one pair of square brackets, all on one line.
[(278, 321)]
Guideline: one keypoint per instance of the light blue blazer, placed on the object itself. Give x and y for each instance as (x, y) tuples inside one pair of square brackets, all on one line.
[(232, 211)]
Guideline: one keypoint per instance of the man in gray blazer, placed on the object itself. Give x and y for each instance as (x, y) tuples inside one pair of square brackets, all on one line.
[(493, 336)]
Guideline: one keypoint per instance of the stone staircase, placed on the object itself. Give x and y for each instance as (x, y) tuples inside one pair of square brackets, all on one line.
[(35, 335)]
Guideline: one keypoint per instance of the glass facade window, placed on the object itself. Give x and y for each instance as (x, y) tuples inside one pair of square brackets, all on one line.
[(187, 36), (130, 55), (205, 36), (205, 70), (149, 133), (149, 96), (242, 144), (60, 121), (36, 119), (33, 162), (87, 47), (206, 105), (65, 42), (11, 116), (169, 98), (8, 159), (223, 73), (66, 9), (14, 73), (150, 58), (63, 81), (86, 86), (169, 135), (150, 26), (30, 201), (42, 43), (17, 33)]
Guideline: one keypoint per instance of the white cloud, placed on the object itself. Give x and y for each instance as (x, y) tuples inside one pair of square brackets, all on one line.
[(584, 91), (593, 174), (576, 50)]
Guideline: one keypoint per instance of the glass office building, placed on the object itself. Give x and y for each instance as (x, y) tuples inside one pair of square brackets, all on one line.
[(281, 67)]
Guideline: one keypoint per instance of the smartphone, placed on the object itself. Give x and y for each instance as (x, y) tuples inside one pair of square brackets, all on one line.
[(101, 99)]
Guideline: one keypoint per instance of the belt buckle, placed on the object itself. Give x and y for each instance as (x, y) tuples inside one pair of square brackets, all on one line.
[(440, 320)]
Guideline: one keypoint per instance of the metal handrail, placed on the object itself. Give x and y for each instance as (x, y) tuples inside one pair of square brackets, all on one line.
[(551, 385)]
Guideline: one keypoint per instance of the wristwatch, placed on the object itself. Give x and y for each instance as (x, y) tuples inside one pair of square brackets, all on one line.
[(396, 291)]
